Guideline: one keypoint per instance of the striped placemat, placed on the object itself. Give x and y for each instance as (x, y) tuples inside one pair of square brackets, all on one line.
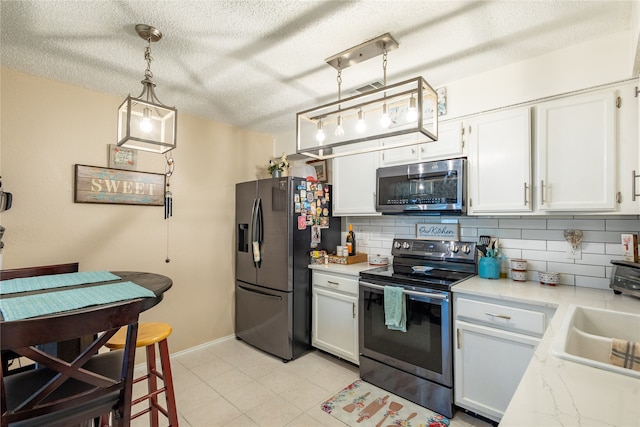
[(28, 306), (37, 283)]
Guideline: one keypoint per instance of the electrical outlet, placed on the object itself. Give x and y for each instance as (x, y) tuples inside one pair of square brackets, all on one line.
[(574, 253)]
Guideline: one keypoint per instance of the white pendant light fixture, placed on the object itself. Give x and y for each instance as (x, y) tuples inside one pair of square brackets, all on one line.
[(398, 114), (145, 123)]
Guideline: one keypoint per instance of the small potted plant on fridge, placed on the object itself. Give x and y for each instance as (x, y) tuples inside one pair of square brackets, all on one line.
[(279, 167)]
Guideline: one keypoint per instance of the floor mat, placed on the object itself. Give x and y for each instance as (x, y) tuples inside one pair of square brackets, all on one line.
[(361, 404)]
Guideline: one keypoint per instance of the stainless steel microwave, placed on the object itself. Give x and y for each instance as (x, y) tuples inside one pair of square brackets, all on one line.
[(429, 188)]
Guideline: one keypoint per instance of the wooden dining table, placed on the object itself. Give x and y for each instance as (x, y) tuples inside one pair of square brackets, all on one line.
[(156, 283)]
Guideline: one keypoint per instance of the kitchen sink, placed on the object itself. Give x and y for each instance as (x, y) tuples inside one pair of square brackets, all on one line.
[(586, 334)]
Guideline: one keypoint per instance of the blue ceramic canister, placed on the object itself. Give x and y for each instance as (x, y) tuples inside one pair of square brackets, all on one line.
[(489, 268)]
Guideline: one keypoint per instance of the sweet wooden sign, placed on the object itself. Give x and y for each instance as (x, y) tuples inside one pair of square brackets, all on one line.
[(95, 184)]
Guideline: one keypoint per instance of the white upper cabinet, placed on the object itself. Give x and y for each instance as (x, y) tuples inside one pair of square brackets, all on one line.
[(354, 179), (576, 153), (398, 156), (628, 131), (450, 144), (499, 152)]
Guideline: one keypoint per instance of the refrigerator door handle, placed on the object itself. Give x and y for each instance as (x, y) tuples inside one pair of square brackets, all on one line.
[(259, 234), (260, 223), (255, 244)]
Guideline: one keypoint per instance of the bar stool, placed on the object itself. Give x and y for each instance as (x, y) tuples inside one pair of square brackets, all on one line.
[(150, 334)]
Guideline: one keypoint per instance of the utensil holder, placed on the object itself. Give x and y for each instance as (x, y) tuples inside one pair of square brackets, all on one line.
[(489, 268)]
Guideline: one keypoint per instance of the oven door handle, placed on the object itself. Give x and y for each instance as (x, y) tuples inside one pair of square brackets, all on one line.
[(413, 293)]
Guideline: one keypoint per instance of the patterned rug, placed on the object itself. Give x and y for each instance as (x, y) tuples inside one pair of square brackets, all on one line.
[(364, 405)]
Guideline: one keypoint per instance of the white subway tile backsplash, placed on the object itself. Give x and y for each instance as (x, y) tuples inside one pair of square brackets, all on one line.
[(581, 269), (469, 233), (593, 282), (613, 248), (543, 234), (592, 247), (576, 224), (501, 233), (540, 245), (624, 226), (470, 221), (602, 236), (539, 224), (512, 253), (535, 266), (594, 259), (538, 239), (544, 256)]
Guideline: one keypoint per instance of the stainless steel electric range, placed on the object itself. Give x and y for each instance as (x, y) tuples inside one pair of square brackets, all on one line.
[(416, 364)]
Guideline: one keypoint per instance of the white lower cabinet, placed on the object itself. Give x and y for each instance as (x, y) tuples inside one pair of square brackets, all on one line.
[(335, 315), (493, 345)]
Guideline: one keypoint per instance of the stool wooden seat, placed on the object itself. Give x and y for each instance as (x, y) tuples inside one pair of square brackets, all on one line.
[(150, 334)]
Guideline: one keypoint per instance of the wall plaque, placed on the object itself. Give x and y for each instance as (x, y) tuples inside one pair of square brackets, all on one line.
[(438, 231), (122, 158), (94, 184)]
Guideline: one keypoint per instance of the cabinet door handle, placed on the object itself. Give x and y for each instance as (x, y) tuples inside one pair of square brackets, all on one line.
[(542, 192), (526, 188), (500, 316), (333, 283), (353, 309), (458, 338), (633, 186)]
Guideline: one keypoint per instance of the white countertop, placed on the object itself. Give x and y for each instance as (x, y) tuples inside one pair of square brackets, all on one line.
[(556, 392)]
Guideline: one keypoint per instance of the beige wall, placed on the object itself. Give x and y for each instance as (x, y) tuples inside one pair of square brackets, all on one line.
[(46, 127)]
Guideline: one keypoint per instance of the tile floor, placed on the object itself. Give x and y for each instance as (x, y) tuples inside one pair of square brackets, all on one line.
[(230, 383)]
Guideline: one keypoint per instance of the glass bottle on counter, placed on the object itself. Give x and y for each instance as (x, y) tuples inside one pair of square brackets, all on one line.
[(351, 241), (504, 266)]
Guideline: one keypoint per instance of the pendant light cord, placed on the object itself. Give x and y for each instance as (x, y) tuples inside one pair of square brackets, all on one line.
[(339, 80), (384, 66)]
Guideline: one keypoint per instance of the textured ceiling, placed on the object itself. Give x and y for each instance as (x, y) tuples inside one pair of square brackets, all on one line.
[(255, 64)]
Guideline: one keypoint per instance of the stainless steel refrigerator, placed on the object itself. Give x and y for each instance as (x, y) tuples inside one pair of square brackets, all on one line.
[(276, 221)]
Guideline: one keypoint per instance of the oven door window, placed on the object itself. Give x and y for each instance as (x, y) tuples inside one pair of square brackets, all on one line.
[(424, 349)]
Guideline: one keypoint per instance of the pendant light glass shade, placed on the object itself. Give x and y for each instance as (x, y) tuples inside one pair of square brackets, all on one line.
[(146, 126), (144, 123)]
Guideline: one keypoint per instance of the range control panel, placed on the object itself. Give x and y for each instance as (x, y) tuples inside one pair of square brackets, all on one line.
[(434, 249)]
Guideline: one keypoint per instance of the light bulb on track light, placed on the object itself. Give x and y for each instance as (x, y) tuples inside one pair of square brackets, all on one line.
[(339, 129), (145, 124), (320, 136), (412, 112), (361, 126), (385, 120)]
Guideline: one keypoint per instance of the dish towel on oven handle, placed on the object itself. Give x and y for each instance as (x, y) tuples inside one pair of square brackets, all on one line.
[(395, 309)]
